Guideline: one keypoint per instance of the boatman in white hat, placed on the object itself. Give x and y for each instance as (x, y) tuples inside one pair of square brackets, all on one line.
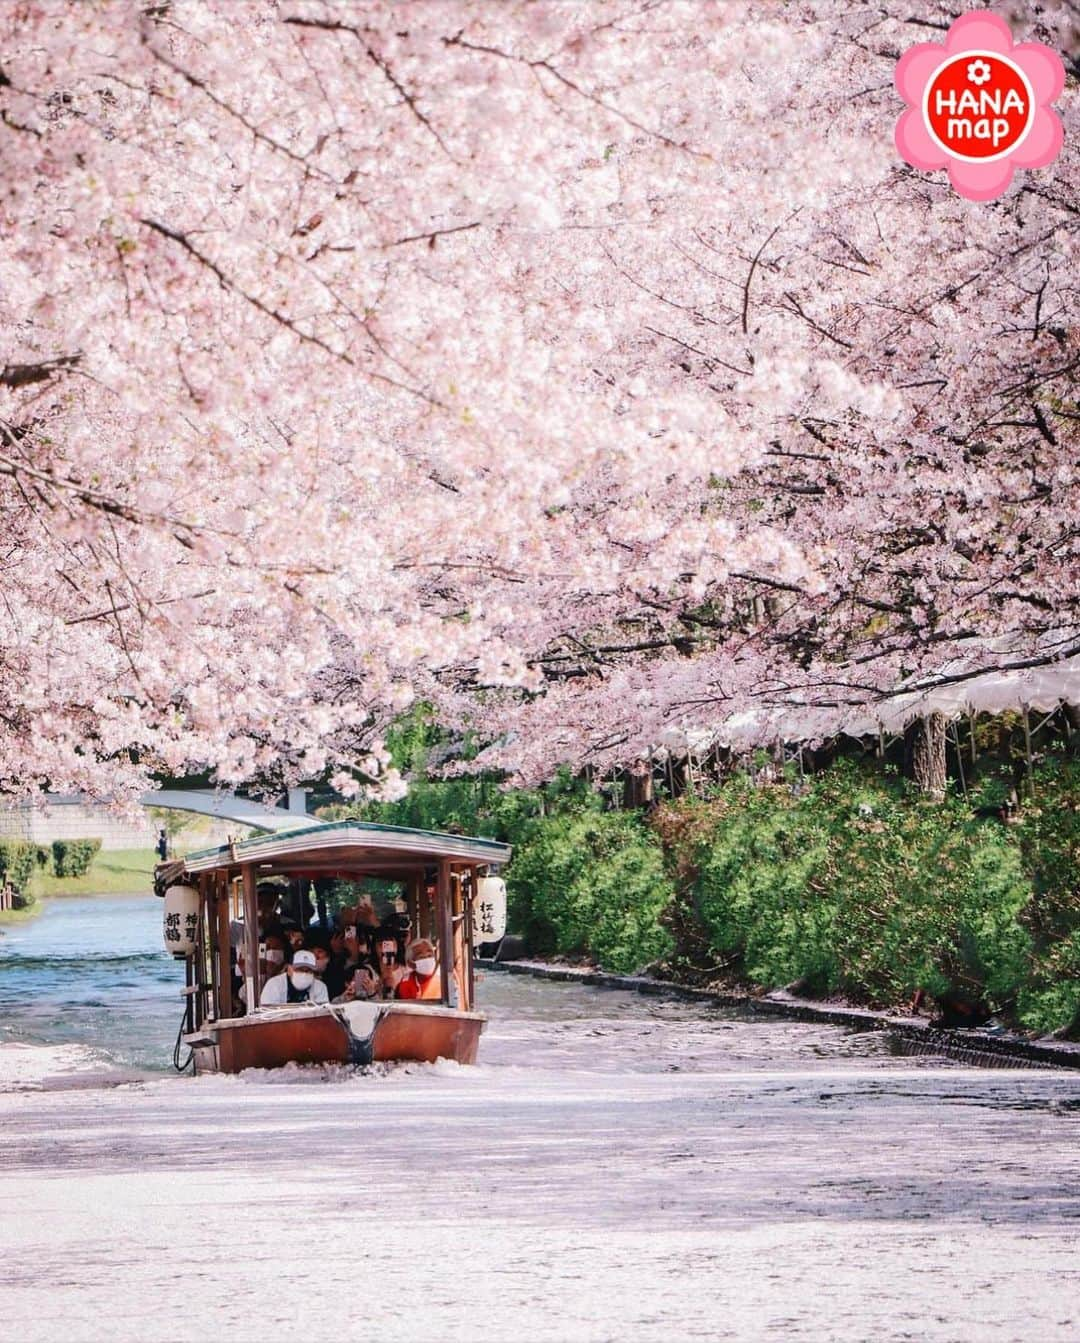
[(299, 984)]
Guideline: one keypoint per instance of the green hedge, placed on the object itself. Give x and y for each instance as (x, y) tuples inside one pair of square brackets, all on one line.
[(853, 884), (1048, 833), (592, 883), (858, 887), (72, 857), (17, 862), (583, 882), (846, 881)]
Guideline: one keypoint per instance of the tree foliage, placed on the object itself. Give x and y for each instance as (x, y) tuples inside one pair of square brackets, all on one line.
[(581, 368)]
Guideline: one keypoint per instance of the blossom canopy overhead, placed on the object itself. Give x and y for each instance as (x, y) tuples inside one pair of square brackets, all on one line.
[(580, 368)]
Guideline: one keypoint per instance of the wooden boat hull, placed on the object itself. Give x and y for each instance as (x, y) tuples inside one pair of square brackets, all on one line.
[(381, 1033)]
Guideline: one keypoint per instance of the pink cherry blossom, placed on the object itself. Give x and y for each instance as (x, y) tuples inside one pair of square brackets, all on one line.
[(591, 372)]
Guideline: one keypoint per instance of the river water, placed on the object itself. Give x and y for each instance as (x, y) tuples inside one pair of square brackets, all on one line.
[(615, 1168)]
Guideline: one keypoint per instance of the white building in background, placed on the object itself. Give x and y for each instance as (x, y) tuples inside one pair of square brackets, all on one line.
[(215, 818)]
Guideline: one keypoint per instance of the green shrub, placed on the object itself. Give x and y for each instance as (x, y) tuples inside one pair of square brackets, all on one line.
[(859, 886), (850, 883), (591, 883), (17, 860), (72, 857), (1048, 834)]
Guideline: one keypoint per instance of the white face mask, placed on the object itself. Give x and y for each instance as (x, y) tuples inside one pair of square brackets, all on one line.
[(303, 979), (275, 957), (425, 965)]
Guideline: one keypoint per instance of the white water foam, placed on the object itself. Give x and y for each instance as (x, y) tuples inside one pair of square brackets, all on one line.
[(25, 1067)]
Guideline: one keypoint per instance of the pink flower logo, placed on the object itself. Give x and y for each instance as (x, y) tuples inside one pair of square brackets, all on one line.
[(979, 105)]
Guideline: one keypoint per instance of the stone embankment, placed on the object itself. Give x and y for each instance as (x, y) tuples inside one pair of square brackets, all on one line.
[(913, 1035)]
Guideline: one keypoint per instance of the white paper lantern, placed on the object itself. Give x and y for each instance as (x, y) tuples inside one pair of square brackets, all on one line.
[(489, 910), (180, 924)]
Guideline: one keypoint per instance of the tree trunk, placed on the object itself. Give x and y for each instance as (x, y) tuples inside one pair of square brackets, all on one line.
[(924, 754), (637, 788)]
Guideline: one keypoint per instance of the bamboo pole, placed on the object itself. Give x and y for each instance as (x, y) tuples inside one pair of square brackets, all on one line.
[(960, 759), (1027, 752)]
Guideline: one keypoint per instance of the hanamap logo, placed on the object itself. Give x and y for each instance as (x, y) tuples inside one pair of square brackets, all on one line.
[(979, 106)]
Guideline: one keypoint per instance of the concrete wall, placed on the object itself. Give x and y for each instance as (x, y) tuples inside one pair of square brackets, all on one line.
[(72, 818), (63, 819)]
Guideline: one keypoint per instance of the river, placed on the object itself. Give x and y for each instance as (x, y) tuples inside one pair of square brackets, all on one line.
[(615, 1168)]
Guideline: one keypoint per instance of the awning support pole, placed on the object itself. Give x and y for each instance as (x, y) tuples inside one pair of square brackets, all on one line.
[(446, 930), (251, 937), (208, 966), (223, 1007), (470, 896)]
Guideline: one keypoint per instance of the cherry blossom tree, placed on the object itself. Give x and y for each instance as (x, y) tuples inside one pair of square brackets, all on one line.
[(582, 368)]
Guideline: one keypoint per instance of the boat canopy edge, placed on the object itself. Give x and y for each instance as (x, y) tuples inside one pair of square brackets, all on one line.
[(331, 835)]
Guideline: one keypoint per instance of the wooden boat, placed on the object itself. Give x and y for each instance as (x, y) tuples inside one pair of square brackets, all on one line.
[(210, 893)]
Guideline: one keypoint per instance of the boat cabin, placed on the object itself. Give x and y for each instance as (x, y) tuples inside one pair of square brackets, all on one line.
[(448, 892)]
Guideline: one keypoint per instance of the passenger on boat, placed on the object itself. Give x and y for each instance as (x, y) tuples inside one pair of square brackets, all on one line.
[(421, 979), (364, 984), (390, 967), (274, 953), (294, 933), (360, 915), (358, 943), (331, 969), (298, 984), (274, 956), (269, 922), (268, 896)]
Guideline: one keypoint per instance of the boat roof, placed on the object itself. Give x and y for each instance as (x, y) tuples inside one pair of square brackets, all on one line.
[(346, 844)]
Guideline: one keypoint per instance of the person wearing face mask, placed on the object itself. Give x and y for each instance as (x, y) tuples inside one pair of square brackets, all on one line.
[(274, 953), (329, 968), (298, 984), (364, 984), (422, 979)]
